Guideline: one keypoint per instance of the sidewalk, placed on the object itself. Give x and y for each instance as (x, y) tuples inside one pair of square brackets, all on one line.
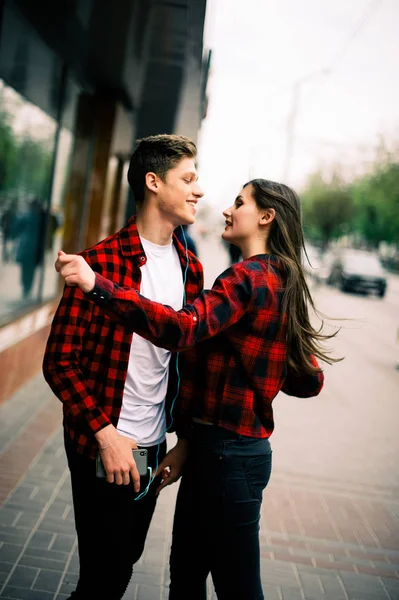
[(322, 538)]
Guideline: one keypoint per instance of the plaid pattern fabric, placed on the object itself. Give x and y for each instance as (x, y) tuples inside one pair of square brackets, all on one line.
[(87, 354), (241, 362)]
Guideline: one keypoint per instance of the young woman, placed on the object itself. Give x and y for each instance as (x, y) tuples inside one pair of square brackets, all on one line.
[(256, 339)]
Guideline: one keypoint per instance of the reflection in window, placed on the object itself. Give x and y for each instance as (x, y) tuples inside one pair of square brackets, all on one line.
[(55, 227), (27, 137)]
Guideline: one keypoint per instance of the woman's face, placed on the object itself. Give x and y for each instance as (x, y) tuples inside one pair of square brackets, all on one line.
[(242, 219)]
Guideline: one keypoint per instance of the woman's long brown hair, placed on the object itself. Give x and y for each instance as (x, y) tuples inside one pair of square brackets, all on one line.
[(286, 241)]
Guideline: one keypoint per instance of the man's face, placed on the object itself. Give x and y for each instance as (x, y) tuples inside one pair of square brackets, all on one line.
[(179, 193)]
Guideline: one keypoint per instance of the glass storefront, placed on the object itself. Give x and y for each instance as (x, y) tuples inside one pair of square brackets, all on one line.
[(37, 109), (55, 224)]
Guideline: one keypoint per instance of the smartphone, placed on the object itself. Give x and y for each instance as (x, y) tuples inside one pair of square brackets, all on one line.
[(140, 456)]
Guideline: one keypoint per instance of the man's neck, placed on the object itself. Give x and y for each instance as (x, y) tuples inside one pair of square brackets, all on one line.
[(153, 227)]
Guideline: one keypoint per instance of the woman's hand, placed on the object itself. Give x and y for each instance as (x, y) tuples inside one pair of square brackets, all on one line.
[(172, 465), (75, 270)]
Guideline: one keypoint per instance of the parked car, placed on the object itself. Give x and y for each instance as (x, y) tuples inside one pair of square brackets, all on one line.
[(358, 271), (326, 262)]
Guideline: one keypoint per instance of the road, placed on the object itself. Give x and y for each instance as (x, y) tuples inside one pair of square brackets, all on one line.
[(350, 431)]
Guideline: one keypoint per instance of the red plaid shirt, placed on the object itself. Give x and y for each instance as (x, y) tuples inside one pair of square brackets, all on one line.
[(87, 354), (241, 362)]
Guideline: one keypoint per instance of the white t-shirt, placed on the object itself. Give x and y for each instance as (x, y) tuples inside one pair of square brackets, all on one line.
[(142, 415)]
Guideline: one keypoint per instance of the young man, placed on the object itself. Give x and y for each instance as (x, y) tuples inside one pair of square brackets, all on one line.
[(116, 389)]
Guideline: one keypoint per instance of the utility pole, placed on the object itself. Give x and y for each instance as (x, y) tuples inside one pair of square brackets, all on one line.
[(292, 116)]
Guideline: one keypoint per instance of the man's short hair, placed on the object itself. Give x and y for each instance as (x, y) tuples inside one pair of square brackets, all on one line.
[(157, 154)]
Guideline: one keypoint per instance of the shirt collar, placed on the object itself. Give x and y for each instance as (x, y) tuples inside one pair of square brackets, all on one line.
[(130, 244), (129, 239)]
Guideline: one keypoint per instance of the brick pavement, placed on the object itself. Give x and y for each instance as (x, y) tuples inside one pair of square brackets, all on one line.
[(319, 541)]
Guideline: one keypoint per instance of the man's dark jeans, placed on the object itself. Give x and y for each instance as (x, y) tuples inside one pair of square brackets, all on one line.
[(216, 526), (111, 527)]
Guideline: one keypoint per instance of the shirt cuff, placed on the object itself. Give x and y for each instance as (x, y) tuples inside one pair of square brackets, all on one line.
[(102, 291)]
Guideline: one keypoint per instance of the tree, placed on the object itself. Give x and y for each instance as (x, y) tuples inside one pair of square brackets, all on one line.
[(8, 154), (376, 200), (328, 208)]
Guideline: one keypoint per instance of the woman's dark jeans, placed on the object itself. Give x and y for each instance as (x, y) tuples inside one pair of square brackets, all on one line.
[(216, 526)]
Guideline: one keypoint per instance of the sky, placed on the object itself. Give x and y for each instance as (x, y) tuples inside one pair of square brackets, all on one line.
[(344, 54)]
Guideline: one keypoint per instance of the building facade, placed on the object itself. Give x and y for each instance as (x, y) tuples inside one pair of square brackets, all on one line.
[(80, 80)]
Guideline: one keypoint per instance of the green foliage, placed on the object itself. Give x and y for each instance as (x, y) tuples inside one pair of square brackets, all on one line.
[(34, 166), (327, 208), (369, 207), (8, 154), (25, 163), (376, 199)]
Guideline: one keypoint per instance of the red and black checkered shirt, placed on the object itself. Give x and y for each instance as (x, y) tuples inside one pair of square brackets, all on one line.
[(241, 360), (87, 353)]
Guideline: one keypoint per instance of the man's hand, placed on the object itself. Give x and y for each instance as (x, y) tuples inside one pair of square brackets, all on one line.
[(172, 465), (117, 457), (75, 270)]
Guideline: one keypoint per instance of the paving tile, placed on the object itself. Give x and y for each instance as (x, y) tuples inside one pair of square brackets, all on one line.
[(147, 577), (23, 576), (10, 552), (361, 583), (19, 593), (270, 592), (153, 558), (47, 580), (317, 596), (58, 509), (51, 555), (42, 563), (290, 593), (71, 577), (14, 535), (331, 584), (8, 515), (53, 525), (148, 592), (41, 539), (311, 584), (392, 586), (26, 505), (63, 542), (366, 596), (67, 587), (28, 519), (5, 567)]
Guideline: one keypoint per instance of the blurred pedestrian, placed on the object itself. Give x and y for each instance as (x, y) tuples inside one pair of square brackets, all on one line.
[(256, 339), (29, 232), (117, 390), (7, 224)]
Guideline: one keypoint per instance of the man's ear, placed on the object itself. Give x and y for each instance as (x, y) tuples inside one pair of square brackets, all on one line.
[(268, 216), (152, 182)]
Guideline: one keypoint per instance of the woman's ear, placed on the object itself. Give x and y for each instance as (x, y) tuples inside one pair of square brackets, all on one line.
[(268, 216)]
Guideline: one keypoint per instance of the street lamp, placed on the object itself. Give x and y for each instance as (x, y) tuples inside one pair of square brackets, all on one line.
[(295, 97)]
